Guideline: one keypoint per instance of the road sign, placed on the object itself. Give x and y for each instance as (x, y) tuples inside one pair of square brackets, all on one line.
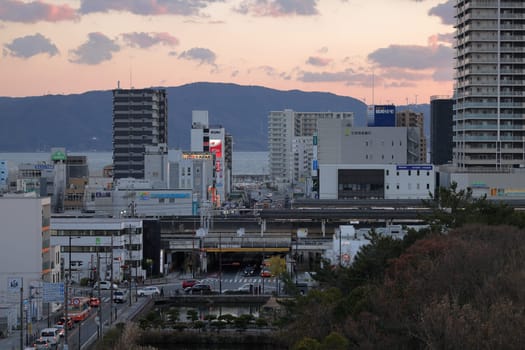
[(76, 301), (53, 292), (14, 284)]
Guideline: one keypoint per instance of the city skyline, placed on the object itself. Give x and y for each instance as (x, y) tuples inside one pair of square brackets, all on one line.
[(379, 52)]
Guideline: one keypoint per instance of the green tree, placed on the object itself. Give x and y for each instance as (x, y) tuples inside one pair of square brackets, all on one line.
[(307, 343), (334, 341)]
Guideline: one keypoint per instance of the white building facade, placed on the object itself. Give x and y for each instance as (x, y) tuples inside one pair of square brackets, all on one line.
[(290, 144), (109, 249), (26, 257), (379, 181)]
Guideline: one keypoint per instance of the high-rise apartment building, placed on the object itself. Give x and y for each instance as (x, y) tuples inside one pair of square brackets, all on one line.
[(441, 129), (489, 111), (411, 119), (140, 119), (290, 144)]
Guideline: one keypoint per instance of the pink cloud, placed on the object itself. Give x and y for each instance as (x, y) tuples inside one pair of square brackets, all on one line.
[(145, 40), (19, 11)]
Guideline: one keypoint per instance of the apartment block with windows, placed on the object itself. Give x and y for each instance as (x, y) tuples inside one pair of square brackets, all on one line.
[(489, 110)]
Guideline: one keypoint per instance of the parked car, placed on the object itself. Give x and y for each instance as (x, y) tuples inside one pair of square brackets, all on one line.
[(104, 285), (189, 283), (150, 290), (120, 296), (94, 302), (199, 288)]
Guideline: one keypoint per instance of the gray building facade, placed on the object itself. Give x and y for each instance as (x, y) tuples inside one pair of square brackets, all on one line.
[(140, 119)]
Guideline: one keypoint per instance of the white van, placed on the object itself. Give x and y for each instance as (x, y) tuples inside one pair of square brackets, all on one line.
[(104, 285), (51, 335)]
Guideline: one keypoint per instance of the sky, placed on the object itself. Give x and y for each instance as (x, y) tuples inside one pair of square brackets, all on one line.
[(378, 51)]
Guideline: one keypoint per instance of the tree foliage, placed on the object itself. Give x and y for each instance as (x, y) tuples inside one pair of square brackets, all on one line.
[(458, 284)]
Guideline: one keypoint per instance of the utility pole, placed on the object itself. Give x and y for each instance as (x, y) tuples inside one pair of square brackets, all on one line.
[(111, 283), (129, 263)]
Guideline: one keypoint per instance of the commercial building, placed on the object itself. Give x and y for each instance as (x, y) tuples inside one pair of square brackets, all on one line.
[(441, 129), (105, 248), (193, 171), (140, 119), (376, 181), (341, 143), (291, 145), (371, 162), (412, 119), (489, 110), (211, 139)]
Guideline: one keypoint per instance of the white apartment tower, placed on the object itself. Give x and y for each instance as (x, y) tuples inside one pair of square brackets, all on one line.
[(290, 144), (489, 110)]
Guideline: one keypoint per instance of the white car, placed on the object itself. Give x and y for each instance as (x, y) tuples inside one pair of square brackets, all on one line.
[(51, 335), (151, 290), (104, 285)]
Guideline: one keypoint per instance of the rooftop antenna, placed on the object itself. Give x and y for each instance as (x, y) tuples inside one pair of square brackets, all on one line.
[(130, 77), (118, 84), (373, 86)]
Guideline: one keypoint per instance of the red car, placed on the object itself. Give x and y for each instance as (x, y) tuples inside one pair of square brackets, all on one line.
[(266, 273), (94, 302), (189, 283)]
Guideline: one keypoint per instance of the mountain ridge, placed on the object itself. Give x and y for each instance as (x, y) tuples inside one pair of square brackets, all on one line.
[(83, 121)]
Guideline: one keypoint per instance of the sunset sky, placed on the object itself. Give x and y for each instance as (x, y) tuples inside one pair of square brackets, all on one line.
[(379, 51)]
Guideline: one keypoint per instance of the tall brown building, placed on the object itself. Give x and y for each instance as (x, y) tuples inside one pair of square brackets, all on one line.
[(411, 119)]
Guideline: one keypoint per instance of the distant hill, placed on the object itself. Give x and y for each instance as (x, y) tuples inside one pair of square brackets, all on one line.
[(83, 122)]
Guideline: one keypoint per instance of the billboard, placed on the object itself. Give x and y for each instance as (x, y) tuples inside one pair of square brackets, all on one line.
[(216, 147), (384, 115)]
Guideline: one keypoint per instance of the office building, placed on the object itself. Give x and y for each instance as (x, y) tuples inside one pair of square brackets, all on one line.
[(441, 129), (140, 119), (291, 145), (411, 119), (489, 110)]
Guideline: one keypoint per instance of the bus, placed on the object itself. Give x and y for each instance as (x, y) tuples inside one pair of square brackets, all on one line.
[(79, 308)]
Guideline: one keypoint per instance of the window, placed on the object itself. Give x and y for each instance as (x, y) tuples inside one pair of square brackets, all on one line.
[(397, 173), (418, 173), (410, 173), (397, 187), (428, 186), (161, 200), (417, 186), (387, 172)]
